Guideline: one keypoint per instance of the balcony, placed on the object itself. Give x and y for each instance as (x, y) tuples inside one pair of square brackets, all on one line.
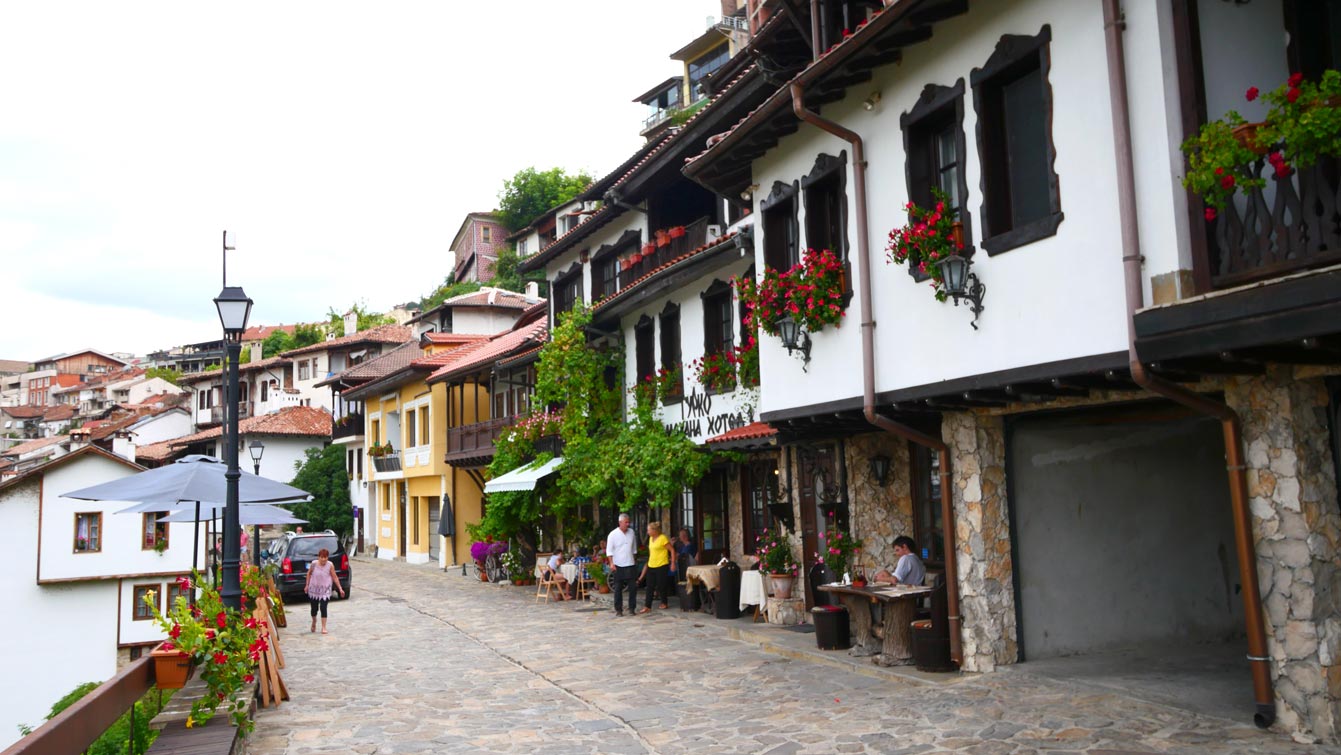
[(348, 426), (1291, 224), (667, 249), (469, 445), (244, 410), (388, 463)]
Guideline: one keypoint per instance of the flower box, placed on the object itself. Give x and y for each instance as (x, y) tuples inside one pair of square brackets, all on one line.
[(172, 667)]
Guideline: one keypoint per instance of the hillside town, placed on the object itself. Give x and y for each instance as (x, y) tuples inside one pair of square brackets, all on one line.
[(945, 375)]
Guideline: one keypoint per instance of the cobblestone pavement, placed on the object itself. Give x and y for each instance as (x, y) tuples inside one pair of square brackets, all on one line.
[(422, 662)]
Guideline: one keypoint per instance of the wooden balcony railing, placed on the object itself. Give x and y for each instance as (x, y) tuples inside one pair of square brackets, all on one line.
[(217, 412), (477, 439), (1291, 224), (79, 725), (696, 235), (348, 426)]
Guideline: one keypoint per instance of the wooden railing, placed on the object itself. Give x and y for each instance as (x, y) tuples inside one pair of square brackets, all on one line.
[(1291, 224), (79, 725), (696, 235), (217, 412), (476, 439), (348, 426)]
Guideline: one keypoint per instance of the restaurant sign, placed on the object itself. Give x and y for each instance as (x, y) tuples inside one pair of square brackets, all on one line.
[(699, 423)]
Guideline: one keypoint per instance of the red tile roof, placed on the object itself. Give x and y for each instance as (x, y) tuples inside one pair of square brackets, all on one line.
[(58, 414), (261, 332), (434, 336), (480, 355), (34, 445), (161, 451), (378, 367), (492, 297), (23, 412), (708, 247), (752, 431), (66, 459), (261, 364), (380, 334), (292, 420)]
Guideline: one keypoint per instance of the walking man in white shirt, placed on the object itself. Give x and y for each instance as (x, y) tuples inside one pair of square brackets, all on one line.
[(620, 546)]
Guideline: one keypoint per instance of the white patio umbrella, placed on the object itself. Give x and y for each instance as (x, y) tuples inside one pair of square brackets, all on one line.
[(250, 515)]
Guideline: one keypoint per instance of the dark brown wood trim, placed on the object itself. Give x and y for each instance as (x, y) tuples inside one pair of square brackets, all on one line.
[(107, 577), (1025, 234), (1192, 98), (158, 590), (41, 494), (934, 101), (628, 239)]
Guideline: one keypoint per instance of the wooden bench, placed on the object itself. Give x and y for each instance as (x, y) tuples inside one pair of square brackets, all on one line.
[(217, 737)]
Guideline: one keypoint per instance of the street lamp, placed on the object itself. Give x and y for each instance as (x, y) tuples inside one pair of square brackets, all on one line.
[(234, 308), (256, 448)]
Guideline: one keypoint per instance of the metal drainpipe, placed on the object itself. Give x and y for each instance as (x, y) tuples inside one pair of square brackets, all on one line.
[(868, 360), (1230, 423), (815, 30)]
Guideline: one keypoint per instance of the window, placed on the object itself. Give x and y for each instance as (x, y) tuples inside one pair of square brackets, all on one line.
[(933, 139), (826, 205), (928, 528), (1021, 200), (140, 610), (1314, 28), (411, 432), (424, 437), (718, 321), (486, 234), (414, 519), (375, 431), (175, 591), (200, 400), (605, 262), (758, 482), (607, 276), (568, 290), (781, 246), (683, 514), (154, 534), (304, 372), (359, 464), (713, 529), (521, 248), (349, 464), (265, 391), (704, 65), (644, 349), (88, 533), (670, 345)]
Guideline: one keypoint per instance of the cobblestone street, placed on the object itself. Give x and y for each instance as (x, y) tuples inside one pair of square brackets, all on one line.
[(418, 661)]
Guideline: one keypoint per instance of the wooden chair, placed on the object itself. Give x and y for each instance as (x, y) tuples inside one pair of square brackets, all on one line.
[(542, 584), (585, 584)]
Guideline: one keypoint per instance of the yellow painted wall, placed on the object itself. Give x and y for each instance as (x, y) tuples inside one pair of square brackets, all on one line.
[(467, 498)]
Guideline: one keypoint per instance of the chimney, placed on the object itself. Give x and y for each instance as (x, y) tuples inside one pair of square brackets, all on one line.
[(351, 322), (78, 439), (532, 290)]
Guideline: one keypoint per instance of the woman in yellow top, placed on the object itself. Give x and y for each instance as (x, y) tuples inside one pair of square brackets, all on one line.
[(657, 571)]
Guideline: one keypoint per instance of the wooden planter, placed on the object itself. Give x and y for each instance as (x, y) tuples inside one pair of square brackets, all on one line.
[(171, 668), (1247, 136)]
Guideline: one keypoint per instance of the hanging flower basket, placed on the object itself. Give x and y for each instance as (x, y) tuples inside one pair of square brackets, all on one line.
[(929, 236), (811, 293)]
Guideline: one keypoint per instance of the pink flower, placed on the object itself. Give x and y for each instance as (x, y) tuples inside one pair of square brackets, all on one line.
[(1210, 214)]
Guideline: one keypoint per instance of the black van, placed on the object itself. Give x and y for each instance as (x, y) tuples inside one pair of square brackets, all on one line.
[(294, 553)]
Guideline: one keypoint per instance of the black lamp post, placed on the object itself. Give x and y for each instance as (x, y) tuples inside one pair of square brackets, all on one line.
[(256, 448), (794, 337), (234, 309), (960, 283)]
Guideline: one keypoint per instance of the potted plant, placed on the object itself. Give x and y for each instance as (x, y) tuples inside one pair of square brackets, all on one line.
[(669, 384), (929, 236), (663, 238), (775, 559), (596, 570), (1302, 126), (172, 667), (811, 293), (481, 550), (716, 372), (677, 232), (225, 645), (516, 570), (837, 551)]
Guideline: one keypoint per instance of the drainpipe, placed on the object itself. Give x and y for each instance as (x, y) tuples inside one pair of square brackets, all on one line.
[(815, 49), (1230, 423), (868, 360)]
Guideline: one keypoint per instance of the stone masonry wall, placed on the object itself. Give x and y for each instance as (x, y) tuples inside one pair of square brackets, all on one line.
[(982, 538), (879, 513), (1297, 528)]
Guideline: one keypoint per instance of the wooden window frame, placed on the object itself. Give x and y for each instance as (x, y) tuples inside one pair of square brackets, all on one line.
[(1013, 54), (606, 260), (572, 277), (425, 428), (137, 601), (666, 334), (644, 358), (74, 542), (827, 169), (938, 107), (770, 208), (754, 477), (719, 332), (172, 592), (924, 479), (145, 520), (486, 234)]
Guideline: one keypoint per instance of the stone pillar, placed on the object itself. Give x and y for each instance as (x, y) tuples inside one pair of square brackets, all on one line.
[(1297, 531), (982, 538), (879, 513)]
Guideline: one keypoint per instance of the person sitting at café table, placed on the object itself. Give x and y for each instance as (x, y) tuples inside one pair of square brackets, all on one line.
[(686, 554), (555, 575), (909, 569)]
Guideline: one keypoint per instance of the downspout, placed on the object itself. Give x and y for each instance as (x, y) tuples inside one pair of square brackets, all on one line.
[(1230, 423), (868, 360), (815, 49)]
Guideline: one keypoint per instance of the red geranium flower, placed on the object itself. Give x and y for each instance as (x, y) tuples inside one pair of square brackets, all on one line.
[(1251, 94), (221, 658), (1228, 181), (221, 619), (1210, 213), (1295, 79), (176, 631), (1292, 95)]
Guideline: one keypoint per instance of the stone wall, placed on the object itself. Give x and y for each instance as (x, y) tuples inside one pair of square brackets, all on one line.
[(982, 538), (1297, 531), (879, 513)]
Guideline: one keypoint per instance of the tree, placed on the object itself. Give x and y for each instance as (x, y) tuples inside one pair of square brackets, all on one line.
[(276, 343), (507, 276), (169, 374), (322, 474), (447, 290), (366, 319), (530, 192)]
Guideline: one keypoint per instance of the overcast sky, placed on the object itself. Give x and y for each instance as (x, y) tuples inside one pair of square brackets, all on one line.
[(340, 143)]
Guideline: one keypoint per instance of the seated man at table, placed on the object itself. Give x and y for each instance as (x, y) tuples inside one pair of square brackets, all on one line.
[(909, 569)]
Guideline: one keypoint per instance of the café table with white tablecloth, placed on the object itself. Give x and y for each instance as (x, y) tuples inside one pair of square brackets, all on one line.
[(753, 589)]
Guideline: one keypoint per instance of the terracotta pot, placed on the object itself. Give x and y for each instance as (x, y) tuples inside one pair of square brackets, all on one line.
[(603, 589), (171, 668), (677, 232), (858, 583), (484, 576), (1247, 136), (782, 585)]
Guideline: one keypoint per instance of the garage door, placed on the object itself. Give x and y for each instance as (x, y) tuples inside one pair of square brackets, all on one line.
[(1122, 530), (434, 514)]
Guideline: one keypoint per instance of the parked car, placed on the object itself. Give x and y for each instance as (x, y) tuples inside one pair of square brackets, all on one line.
[(295, 553)]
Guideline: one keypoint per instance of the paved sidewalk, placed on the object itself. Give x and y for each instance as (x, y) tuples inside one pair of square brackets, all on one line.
[(419, 661)]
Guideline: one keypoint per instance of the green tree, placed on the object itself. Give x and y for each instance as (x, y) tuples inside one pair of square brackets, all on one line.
[(322, 474), (530, 192), (366, 319), (447, 290), (278, 342), (508, 276), (114, 741), (169, 374)]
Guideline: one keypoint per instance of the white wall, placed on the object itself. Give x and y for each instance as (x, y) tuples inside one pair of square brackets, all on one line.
[(608, 234), (151, 387), (483, 320), (161, 427), (282, 452)]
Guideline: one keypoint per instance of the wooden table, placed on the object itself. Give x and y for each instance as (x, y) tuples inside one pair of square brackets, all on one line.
[(709, 578), (899, 607)]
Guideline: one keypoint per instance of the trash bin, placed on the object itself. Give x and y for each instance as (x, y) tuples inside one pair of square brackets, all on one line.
[(931, 648), (831, 627), (819, 574), (688, 596), (728, 592)]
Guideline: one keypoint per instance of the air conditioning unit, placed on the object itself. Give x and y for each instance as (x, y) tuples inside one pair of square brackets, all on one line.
[(714, 232)]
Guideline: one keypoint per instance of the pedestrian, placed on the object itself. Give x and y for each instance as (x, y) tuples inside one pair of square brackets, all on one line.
[(657, 570), (321, 577), (686, 554), (620, 546)]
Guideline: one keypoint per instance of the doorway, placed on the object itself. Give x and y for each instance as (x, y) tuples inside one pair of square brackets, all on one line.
[(400, 510), (434, 517)]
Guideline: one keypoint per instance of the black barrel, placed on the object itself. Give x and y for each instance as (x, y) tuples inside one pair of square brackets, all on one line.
[(728, 592), (688, 596), (819, 574), (831, 627)]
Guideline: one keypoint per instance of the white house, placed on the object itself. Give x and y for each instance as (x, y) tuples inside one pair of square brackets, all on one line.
[(77, 572), (312, 365), (264, 386), (286, 434)]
